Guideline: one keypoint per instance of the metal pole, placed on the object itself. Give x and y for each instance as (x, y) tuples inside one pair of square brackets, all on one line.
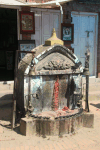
[(87, 91), (14, 92), (86, 73), (68, 98)]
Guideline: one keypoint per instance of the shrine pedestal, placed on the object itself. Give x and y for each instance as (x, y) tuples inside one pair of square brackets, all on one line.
[(51, 127), (28, 126)]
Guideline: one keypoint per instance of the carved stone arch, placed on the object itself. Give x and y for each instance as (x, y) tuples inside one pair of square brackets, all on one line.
[(57, 48)]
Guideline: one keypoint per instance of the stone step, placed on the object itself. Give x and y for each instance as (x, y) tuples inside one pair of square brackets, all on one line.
[(92, 97), (94, 90), (91, 80)]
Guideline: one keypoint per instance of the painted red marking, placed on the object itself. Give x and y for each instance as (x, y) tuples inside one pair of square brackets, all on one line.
[(56, 94)]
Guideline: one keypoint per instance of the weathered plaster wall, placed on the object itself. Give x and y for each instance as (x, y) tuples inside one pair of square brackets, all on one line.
[(75, 6)]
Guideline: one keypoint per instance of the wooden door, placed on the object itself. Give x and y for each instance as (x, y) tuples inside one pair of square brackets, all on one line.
[(50, 20), (37, 35), (84, 37)]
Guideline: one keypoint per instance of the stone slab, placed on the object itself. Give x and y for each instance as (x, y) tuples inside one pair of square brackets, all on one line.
[(28, 126), (88, 120), (47, 127)]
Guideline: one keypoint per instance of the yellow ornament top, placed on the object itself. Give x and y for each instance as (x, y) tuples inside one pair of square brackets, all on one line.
[(53, 40)]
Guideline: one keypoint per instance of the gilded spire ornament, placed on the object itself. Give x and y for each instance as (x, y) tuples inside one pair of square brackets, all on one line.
[(53, 40)]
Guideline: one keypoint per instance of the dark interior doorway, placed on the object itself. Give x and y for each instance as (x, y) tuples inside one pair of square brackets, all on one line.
[(8, 43)]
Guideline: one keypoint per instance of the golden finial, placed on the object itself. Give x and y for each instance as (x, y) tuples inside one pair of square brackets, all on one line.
[(53, 40)]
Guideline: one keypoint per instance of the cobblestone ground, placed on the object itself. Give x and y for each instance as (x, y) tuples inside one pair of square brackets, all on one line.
[(83, 139)]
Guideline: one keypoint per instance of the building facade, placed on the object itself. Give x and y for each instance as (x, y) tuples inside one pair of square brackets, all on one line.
[(12, 39), (85, 17)]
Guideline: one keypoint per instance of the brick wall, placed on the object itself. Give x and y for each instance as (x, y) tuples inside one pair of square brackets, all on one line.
[(26, 36), (25, 8), (75, 6)]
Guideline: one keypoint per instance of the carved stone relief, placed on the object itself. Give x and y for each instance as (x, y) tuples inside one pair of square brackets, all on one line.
[(55, 61), (57, 65)]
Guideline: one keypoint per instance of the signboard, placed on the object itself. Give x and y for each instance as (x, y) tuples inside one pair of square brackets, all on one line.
[(67, 32)]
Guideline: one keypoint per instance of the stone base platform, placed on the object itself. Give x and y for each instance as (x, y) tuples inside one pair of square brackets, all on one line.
[(55, 127), (28, 126)]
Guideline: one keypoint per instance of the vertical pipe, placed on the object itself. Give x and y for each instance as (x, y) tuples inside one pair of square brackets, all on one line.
[(57, 3), (87, 91), (29, 88)]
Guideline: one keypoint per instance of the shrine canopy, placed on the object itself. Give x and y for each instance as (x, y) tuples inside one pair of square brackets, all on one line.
[(31, 3)]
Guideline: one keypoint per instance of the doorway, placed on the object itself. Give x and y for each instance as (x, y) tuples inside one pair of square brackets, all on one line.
[(8, 43), (85, 37), (45, 21)]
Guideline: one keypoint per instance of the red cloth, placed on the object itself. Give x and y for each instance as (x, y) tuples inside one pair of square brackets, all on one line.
[(65, 108), (56, 93)]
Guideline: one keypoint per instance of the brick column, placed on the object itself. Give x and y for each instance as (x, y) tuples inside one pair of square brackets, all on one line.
[(26, 36)]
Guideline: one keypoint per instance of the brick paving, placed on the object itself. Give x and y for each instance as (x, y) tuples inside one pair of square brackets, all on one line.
[(84, 138)]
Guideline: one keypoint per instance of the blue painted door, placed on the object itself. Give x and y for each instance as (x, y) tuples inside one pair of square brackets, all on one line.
[(84, 37)]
